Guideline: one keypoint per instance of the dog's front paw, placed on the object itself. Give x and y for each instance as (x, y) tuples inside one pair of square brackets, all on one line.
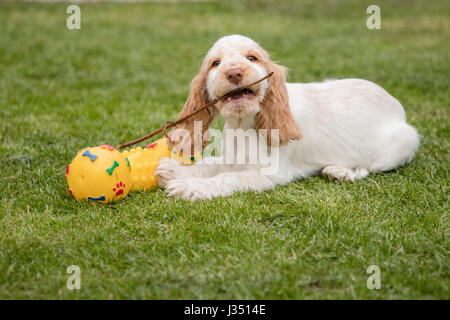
[(189, 189), (168, 169)]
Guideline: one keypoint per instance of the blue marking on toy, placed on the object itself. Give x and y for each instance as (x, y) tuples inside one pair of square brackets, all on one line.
[(87, 153), (110, 170), (102, 198)]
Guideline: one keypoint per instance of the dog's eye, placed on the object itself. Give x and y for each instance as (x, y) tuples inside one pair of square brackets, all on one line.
[(216, 63), (252, 58)]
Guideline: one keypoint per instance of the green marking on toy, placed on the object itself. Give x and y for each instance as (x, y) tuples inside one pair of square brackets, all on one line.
[(110, 170), (128, 162), (193, 159)]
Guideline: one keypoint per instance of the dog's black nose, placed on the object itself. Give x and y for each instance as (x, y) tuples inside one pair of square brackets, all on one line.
[(235, 75)]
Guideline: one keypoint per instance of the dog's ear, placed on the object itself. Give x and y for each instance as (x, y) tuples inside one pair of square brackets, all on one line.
[(198, 97), (274, 111)]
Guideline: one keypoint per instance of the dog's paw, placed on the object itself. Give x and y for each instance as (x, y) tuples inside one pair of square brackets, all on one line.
[(345, 174), (190, 189), (168, 169), (339, 173)]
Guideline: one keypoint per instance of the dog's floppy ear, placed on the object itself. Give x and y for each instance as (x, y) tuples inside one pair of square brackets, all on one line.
[(198, 97), (274, 111)]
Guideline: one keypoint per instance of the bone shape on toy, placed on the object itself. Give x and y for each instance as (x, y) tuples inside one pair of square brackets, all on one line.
[(87, 153), (110, 170)]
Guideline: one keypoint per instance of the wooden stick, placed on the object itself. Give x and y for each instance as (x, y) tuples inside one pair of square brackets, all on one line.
[(170, 124)]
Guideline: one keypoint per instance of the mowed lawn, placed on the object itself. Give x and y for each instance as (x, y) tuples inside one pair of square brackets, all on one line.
[(128, 70)]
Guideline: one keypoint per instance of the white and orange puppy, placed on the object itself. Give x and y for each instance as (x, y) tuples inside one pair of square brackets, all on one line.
[(342, 129)]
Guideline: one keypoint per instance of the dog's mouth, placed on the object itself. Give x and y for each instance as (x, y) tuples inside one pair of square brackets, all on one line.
[(241, 94)]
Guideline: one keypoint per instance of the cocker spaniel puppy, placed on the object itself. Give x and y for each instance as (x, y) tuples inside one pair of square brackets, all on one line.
[(342, 129)]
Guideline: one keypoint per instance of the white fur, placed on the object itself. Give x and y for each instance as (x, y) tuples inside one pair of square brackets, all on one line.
[(350, 128)]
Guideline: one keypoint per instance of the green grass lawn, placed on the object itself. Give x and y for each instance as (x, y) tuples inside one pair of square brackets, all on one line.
[(128, 70)]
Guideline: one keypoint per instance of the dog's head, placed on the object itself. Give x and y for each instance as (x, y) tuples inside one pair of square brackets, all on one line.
[(235, 61)]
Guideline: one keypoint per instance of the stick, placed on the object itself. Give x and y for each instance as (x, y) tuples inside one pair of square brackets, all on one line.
[(170, 124)]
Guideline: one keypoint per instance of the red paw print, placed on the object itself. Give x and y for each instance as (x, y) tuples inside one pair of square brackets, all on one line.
[(151, 146), (118, 189), (107, 146)]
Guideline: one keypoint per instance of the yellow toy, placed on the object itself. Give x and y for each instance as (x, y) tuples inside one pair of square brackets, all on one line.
[(103, 174), (144, 161), (99, 174)]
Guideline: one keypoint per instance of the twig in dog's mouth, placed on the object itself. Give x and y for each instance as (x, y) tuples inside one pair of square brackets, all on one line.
[(233, 93)]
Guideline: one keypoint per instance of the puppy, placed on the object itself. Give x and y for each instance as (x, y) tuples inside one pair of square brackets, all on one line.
[(342, 129)]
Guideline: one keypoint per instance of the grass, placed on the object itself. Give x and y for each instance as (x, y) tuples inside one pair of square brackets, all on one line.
[(128, 70)]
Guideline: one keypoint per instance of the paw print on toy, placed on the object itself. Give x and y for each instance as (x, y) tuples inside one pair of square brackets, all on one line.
[(118, 189)]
